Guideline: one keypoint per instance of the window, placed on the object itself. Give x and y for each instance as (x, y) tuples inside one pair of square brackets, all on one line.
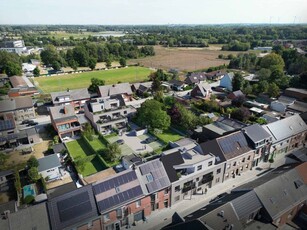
[(166, 191), (125, 112), (177, 188), (138, 204), (248, 158), (217, 180), (243, 160), (106, 217), (218, 171), (119, 212), (209, 163), (197, 179), (234, 163), (166, 203), (228, 166), (199, 167)]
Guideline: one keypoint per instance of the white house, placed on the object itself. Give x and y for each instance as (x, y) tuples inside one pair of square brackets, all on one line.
[(226, 81), (49, 166)]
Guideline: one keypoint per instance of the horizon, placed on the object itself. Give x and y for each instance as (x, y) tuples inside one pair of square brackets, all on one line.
[(160, 12)]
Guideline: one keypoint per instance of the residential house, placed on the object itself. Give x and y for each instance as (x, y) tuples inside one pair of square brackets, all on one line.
[(202, 91), (215, 75), (141, 88), (297, 107), (121, 200), (233, 211), (195, 78), (281, 104), (5, 176), (122, 89), (108, 113), (233, 150), (177, 85), (75, 97), (27, 67), (235, 94), (222, 126), (282, 193), (131, 160), (260, 140), (19, 108), (29, 218), (65, 121), (299, 94), (287, 134), (189, 171), (49, 167), (21, 86), (155, 183), (74, 210), (14, 46), (226, 81)]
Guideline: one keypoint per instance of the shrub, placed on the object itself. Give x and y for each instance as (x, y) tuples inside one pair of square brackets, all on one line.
[(29, 199)]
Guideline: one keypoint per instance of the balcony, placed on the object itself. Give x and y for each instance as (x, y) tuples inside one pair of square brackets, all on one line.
[(206, 179), (69, 127), (188, 186)]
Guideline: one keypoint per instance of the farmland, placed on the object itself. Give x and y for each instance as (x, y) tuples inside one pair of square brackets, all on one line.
[(83, 80), (185, 59)]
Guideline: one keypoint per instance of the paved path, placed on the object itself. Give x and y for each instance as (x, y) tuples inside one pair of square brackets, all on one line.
[(161, 218)]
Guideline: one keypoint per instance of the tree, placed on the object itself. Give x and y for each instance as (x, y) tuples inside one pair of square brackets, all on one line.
[(32, 162), (33, 174), (108, 63), (92, 63), (156, 83), (274, 90), (122, 62), (94, 87), (36, 72), (88, 131), (241, 114), (264, 74), (29, 199), (12, 68), (272, 62), (152, 115), (112, 152), (81, 56), (56, 65), (263, 86), (237, 82), (238, 101)]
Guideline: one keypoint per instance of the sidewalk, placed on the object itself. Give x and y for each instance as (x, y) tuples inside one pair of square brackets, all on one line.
[(161, 218)]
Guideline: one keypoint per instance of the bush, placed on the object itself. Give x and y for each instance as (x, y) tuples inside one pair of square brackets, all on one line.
[(28, 199)]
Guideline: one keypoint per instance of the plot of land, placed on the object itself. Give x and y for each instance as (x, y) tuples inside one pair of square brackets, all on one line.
[(78, 149), (184, 59), (83, 80), (169, 135)]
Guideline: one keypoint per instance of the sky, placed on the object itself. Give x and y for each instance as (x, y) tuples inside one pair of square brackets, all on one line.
[(132, 12)]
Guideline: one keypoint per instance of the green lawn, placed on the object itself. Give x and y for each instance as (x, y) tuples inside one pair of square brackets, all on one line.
[(169, 135), (92, 167), (78, 148), (98, 144), (83, 80)]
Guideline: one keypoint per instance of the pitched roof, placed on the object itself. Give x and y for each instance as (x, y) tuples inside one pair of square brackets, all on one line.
[(62, 112), (298, 106), (109, 90), (169, 161), (15, 104), (61, 190), (48, 162), (176, 82), (153, 176), (117, 190), (237, 93), (71, 208), (32, 217), (227, 147), (195, 78), (74, 95), (204, 87), (286, 127), (57, 148), (18, 81), (256, 133)]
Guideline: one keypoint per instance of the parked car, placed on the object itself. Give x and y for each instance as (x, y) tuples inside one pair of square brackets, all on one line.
[(32, 123), (24, 122), (150, 139), (120, 142), (65, 138)]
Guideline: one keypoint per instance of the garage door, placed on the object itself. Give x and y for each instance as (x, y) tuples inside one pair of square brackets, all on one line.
[(138, 216)]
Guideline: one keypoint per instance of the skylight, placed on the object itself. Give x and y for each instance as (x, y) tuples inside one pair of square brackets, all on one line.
[(149, 178), (117, 189)]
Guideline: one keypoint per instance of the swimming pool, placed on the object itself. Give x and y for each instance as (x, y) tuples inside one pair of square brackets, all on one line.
[(29, 190)]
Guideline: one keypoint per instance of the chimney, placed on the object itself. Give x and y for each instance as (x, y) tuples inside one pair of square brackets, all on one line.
[(65, 110)]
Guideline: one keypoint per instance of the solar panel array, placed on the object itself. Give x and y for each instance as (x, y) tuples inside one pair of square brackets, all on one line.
[(6, 125), (114, 182), (75, 206), (160, 178), (119, 198), (230, 143)]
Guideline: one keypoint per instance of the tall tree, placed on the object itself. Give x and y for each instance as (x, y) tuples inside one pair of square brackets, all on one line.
[(112, 152), (95, 84), (272, 62), (32, 162), (12, 68), (36, 72), (237, 82), (122, 62), (274, 90), (92, 63)]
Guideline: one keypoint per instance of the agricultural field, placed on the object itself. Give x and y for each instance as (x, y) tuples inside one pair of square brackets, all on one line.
[(185, 59), (81, 34), (83, 80)]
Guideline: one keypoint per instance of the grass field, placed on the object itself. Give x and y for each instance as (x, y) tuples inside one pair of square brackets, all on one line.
[(185, 59), (78, 148), (92, 167), (83, 80), (169, 135)]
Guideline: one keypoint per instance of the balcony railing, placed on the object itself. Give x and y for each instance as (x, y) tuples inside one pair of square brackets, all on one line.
[(207, 178), (188, 187)]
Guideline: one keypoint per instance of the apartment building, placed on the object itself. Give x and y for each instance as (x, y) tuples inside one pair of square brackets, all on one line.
[(108, 113)]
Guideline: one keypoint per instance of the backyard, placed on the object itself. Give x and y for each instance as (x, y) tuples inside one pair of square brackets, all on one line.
[(83, 80), (169, 135), (80, 151)]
